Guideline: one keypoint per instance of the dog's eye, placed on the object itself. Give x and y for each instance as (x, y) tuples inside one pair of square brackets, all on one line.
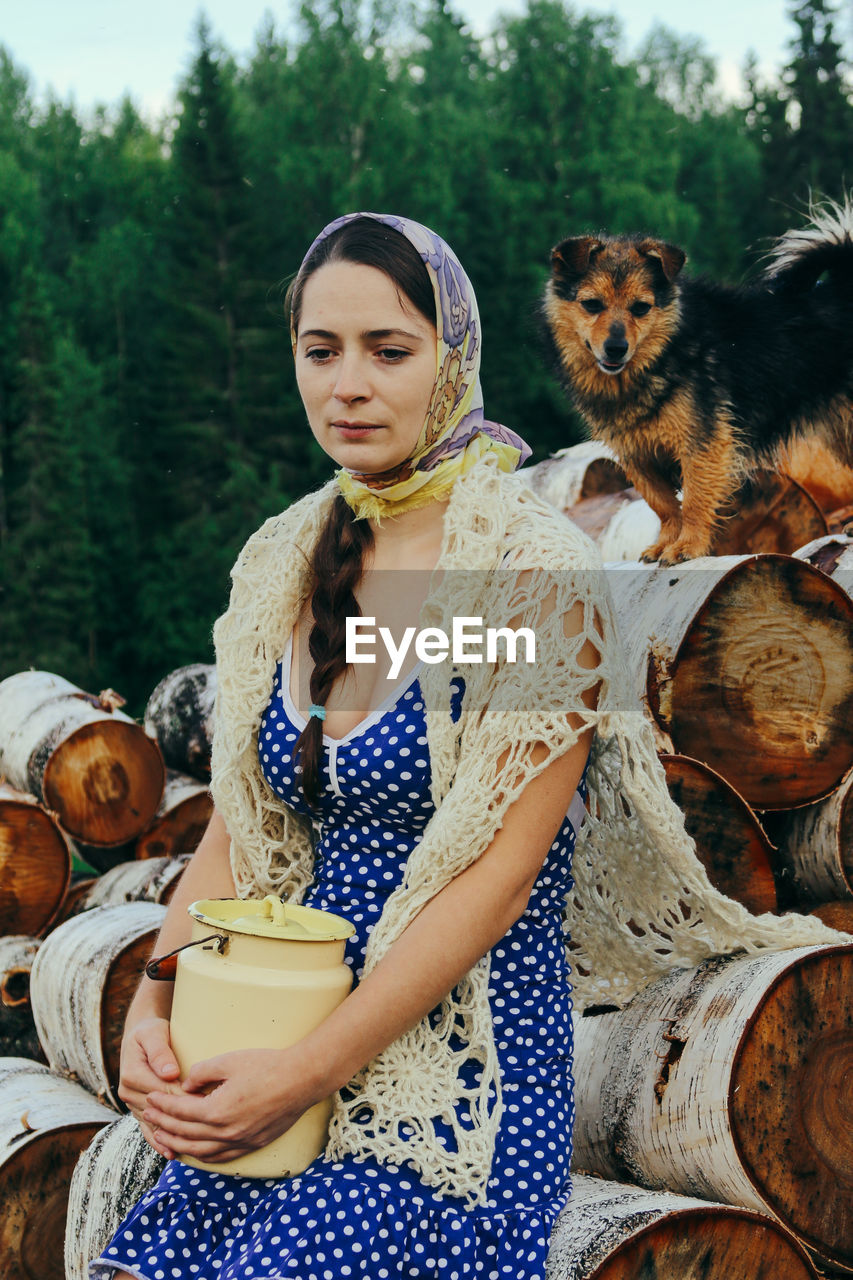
[(640, 308), (592, 306)]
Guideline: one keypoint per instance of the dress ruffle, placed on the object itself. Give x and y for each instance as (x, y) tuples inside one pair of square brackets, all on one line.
[(347, 1220)]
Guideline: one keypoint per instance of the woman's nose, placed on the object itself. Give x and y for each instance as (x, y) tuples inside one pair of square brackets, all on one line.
[(352, 382)]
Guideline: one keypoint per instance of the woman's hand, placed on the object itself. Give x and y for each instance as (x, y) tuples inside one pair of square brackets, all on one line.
[(232, 1104), (147, 1062)]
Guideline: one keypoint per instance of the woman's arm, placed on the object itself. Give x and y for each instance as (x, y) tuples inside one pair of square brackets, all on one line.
[(262, 1093), (147, 1060)]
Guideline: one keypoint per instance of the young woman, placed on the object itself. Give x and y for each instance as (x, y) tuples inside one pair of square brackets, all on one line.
[(435, 806)]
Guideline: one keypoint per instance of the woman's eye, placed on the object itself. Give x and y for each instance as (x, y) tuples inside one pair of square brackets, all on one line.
[(393, 354), (640, 308), (592, 306), (318, 354)]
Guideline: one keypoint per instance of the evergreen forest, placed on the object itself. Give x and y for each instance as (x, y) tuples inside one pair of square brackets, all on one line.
[(149, 419)]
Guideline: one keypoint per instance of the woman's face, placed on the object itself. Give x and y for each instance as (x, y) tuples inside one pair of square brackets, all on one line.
[(365, 366)]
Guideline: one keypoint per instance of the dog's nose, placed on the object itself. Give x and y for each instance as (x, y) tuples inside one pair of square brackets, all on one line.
[(615, 349)]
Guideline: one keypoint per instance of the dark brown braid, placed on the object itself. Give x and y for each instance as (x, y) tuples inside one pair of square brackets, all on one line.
[(336, 566)]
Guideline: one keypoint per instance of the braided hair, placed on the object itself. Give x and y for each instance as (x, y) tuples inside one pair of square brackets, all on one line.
[(338, 560)]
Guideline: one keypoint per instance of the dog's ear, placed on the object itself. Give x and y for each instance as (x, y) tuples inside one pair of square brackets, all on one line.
[(671, 258), (571, 257)]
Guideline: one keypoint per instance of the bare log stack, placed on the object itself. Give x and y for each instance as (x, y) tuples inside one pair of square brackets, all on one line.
[(35, 864), (93, 766), (180, 715), (152, 880), (731, 1082), (83, 980), (609, 1231), (45, 1123)]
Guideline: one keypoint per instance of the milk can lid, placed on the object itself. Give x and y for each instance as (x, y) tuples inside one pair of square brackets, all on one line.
[(269, 917)]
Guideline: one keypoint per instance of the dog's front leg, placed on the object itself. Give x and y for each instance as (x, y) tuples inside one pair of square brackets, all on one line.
[(658, 492), (710, 477)]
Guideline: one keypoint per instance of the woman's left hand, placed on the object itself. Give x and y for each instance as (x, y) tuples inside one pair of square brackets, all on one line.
[(231, 1105)]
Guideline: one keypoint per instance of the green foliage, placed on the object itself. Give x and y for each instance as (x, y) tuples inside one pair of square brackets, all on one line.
[(148, 413)]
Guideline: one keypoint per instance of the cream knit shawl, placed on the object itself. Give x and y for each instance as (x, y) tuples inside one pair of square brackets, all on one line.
[(642, 902)]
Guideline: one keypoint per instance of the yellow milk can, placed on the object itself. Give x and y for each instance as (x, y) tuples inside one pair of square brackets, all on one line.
[(259, 975)]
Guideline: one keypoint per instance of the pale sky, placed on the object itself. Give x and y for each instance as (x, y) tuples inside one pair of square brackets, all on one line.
[(95, 50)]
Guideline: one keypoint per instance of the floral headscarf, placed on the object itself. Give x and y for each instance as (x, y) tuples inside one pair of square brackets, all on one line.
[(455, 434)]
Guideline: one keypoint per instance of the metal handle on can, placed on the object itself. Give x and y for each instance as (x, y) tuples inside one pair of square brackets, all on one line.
[(164, 968)]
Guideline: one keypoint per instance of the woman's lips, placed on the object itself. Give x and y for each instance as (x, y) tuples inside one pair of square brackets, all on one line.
[(355, 430)]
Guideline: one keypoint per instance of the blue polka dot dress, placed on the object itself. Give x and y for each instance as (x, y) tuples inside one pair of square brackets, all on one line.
[(355, 1217)]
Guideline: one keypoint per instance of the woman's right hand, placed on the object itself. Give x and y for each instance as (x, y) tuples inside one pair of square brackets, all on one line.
[(147, 1063)]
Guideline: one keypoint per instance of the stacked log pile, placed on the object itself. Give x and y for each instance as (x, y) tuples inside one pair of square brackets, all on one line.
[(718, 1099), (77, 778)]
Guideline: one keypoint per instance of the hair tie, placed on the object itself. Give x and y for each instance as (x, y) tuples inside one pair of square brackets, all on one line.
[(319, 712)]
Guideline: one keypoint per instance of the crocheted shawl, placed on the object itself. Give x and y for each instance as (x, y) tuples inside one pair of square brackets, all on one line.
[(642, 902)]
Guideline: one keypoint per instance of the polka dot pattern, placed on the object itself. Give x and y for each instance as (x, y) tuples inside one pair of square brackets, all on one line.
[(355, 1217)]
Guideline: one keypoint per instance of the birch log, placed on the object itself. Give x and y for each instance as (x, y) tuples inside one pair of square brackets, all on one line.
[(35, 864), (833, 555), (181, 819), (609, 1231), (731, 1082), (815, 846), (83, 980), (582, 471), (18, 1036), (116, 1168), (77, 891), (94, 767), (730, 842), (771, 513), (45, 1122), (745, 663), (180, 715), (153, 880)]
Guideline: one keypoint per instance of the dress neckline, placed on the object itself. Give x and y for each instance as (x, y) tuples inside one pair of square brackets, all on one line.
[(372, 718)]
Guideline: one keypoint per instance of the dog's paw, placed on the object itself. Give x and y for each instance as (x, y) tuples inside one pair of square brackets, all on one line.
[(684, 548)]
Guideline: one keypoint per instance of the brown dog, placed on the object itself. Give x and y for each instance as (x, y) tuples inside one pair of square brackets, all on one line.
[(693, 384)]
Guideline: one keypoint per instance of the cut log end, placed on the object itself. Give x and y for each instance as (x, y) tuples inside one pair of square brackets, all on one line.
[(105, 782), (713, 1244), (791, 1102), (762, 687), (729, 841), (34, 1195), (35, 865), (179, 830)]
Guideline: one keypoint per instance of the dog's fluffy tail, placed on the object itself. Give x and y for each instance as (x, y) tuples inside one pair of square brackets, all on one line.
[(825, 243)]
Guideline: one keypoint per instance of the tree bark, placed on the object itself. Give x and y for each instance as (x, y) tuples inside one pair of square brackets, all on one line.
[(609, 1231), (35, 864), (45, 1123), (94, 768), (815, 846), (180, 715), (151, 880), (117, 1167), (731, 1082), (83, 979), (745, 663)]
